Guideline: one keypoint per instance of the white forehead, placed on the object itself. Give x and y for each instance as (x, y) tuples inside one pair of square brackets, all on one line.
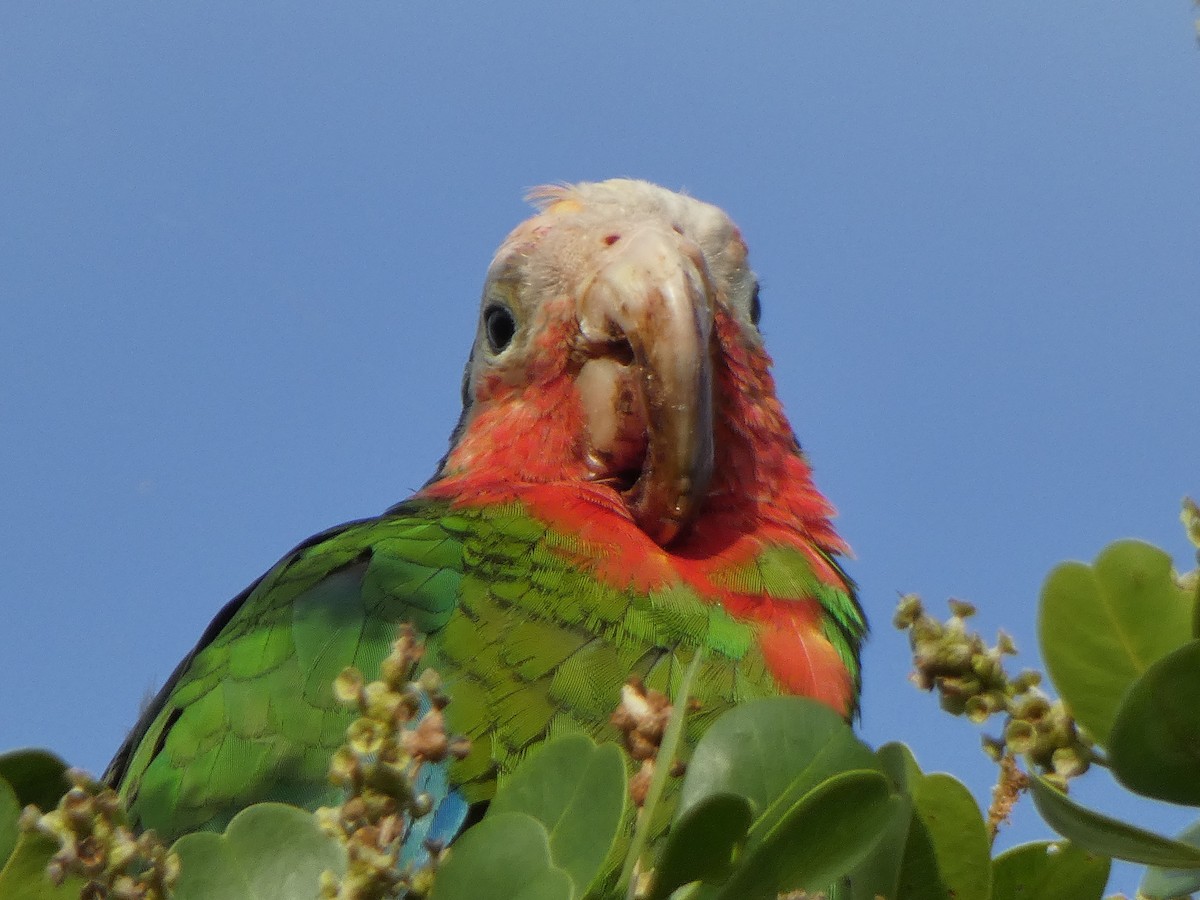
[(626, 200)]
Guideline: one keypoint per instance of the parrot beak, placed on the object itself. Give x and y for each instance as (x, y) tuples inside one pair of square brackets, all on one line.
[(646, 320)]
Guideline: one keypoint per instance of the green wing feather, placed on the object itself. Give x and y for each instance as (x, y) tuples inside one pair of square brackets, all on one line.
[(250, 715), (529, 646)]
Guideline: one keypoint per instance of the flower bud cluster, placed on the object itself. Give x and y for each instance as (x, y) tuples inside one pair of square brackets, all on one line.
[(96, 843), (642, 718), (400, 728), (970, 679)]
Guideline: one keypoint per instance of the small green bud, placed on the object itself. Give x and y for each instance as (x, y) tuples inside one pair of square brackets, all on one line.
[(343, 767), (1033, 708), (908, 611), (978, 709), (430, 681), (1026, 681), (347, 687), (365, 736), (1020, 736), (961, 609), (394, 671), (1068, 763), (993, 748)]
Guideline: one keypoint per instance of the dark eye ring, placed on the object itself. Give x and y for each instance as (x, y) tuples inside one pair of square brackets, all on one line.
[(500, 326), (755, 307)]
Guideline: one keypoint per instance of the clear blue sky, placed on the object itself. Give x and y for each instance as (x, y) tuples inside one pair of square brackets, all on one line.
[(241, 247)]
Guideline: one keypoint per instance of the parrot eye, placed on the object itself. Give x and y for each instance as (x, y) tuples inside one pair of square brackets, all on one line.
[(500, 326), (755, 306)]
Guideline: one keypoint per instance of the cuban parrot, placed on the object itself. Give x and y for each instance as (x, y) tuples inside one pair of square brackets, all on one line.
[(622, 488)]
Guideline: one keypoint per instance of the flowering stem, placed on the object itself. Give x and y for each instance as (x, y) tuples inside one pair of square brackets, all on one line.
[(662, 769)]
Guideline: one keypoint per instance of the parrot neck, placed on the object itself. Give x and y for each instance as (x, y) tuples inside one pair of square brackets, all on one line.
[(527, 447), (527, 453)]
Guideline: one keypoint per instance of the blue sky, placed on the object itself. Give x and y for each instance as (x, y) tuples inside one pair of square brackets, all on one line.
[(242, 246)]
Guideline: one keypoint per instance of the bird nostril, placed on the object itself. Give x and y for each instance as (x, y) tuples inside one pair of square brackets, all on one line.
[(619, 350)]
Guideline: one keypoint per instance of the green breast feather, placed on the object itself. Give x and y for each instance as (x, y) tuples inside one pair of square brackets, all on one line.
[(529, 646)]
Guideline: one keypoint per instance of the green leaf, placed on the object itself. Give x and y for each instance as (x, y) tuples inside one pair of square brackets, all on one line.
[(1108, 837), (668, 750), (10, 814), (772, 752), (270, 851), (701, 843), (957, 835), (879, 874), (947, 852), (898, 762), (24, 875), (1154, 747), (1102, 626), (577, 791), (818, 839), (36, 776), (504, 857), (1049, 871), (1162, 884)]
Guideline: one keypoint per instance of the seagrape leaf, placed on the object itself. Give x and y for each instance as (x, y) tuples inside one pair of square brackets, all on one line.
[(1163, 884), (36, 776), (504, 857), (1106, 836), (817, 840), (1049, 871), (1102, 626), (1154, 747), (957, 836), (270, 851), (772, 752), (899, 764), (946, 852), (10, 814), (576, 790), (24, 875), (701, 843), (879, 874)]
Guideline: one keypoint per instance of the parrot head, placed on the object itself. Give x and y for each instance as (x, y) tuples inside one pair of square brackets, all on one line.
[(618, 348)]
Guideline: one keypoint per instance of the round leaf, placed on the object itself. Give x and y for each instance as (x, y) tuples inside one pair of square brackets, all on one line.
[(504, 857), (36, 776), (1109, 837), (1102, 626), (947, 851), (879, 874), (577, 791), (817, 840), (957, 834), (898, 762), (1049, 871), (10, 813), (772, 751), (701, 843), (1161, 884), (270, 851), (24, 875), (1154, 747)]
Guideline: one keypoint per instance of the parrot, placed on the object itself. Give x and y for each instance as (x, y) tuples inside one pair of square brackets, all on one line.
[(621, 492)]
